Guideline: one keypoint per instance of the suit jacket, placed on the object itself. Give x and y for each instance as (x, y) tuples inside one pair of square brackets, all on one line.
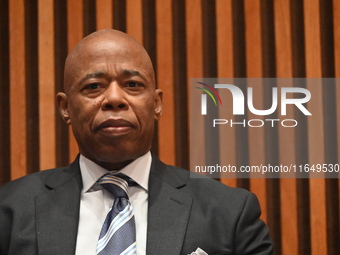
[(39, 214)]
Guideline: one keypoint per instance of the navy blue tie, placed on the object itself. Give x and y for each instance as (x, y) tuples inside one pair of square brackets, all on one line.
[(118, 234)]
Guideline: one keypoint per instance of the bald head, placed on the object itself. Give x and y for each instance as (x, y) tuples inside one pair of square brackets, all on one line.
[(118, 46)]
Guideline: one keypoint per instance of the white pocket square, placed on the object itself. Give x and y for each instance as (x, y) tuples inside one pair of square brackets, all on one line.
[(199, 251)]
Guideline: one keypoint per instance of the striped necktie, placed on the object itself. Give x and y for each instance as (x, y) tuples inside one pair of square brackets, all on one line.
[(118, 234)]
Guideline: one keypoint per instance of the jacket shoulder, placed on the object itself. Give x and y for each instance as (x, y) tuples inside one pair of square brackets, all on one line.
[(201, 187), (33, 184)]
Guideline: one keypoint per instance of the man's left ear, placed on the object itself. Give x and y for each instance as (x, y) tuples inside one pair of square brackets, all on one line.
[(158, 103)]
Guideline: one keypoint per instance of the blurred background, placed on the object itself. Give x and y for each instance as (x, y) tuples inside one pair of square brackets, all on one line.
[(186, 39)]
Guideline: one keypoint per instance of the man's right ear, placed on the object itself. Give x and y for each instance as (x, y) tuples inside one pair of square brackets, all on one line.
[(62, 102)]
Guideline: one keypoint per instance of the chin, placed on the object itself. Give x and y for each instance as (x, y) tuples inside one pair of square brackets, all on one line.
[(115, 155), (115, 151)]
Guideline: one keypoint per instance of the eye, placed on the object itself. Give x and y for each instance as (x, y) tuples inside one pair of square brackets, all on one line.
[(133, 84), (93, 86)]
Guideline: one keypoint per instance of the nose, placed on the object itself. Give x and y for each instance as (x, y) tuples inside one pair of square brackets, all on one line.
[(114, 98)]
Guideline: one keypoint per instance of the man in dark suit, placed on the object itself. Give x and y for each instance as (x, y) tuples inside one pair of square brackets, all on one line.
[(111, 102)]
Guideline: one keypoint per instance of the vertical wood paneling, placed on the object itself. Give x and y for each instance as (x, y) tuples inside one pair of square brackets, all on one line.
[(193, 24), (209, 54), (61, 49), (17, 89), (74, 34), (47, 107), (284, 69), (134, 19), (5, 167), (254, 55), (271, 133), (315, 124), (104, 11), (165, 81), (240, 71), (254, 42), (330, 130), (193, 12), (189, 39), (89, 16), (336, 10), (119, 15), (301, 143), (32, 109), (181, 91), (225, 69), (336, 17), (283, 39)]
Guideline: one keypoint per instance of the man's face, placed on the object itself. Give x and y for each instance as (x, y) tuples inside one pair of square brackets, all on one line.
[(111, 101)]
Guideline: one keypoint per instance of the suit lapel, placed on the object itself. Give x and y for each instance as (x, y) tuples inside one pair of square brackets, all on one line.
[(57, 212), (169, 211)]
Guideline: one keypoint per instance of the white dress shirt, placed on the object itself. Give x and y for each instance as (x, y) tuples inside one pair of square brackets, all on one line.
[(95, 202)]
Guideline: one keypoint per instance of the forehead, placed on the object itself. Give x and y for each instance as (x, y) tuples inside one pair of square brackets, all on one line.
[(109, 55)]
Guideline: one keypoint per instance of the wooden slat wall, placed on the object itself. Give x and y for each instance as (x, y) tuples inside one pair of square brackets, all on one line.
[(288, 187), (315, 136), (225, 68), (165, 78), (186, 39), (17, 95), (254, 39), (46, 65)]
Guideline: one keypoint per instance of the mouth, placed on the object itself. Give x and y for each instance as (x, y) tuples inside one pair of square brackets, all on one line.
[(115, 127)]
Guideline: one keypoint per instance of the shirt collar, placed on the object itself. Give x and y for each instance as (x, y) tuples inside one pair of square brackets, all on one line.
[(138, 170)]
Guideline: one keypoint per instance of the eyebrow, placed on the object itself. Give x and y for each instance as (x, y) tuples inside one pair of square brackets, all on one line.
[(93, 75), (130, 73), (100, 74)]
